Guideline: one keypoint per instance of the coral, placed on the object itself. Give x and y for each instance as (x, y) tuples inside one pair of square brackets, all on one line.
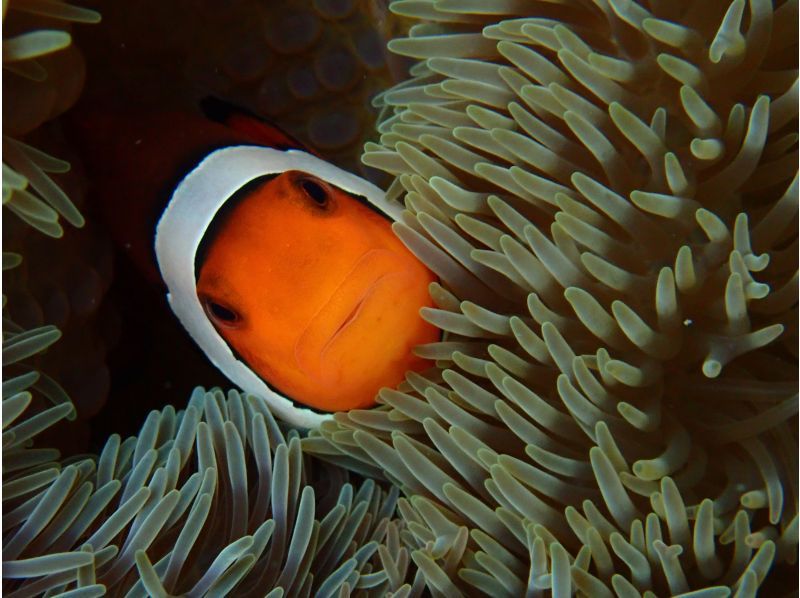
[(202, 501), (608, 193)]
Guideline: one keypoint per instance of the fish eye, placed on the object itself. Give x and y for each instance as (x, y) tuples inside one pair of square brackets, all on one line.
[(221, 314), (315, 191)]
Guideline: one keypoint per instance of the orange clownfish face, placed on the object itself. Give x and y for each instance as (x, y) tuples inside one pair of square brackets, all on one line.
[(315, 293)]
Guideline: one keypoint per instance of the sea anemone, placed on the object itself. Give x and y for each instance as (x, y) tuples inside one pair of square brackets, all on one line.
[(608, 193), (46, 75), (202, 501)]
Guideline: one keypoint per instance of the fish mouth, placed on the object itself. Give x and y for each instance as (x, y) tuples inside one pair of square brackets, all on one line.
[(351, 316), (342, 310)]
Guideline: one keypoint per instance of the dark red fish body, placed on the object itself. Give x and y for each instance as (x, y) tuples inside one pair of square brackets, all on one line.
[(134, 159)]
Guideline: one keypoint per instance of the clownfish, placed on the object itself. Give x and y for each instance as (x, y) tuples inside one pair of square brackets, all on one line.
[(282, 267)]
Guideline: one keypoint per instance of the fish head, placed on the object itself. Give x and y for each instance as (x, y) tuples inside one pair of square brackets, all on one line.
[(314, 292)]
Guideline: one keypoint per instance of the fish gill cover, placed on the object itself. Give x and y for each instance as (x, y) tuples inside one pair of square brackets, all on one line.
[(608, 193)]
